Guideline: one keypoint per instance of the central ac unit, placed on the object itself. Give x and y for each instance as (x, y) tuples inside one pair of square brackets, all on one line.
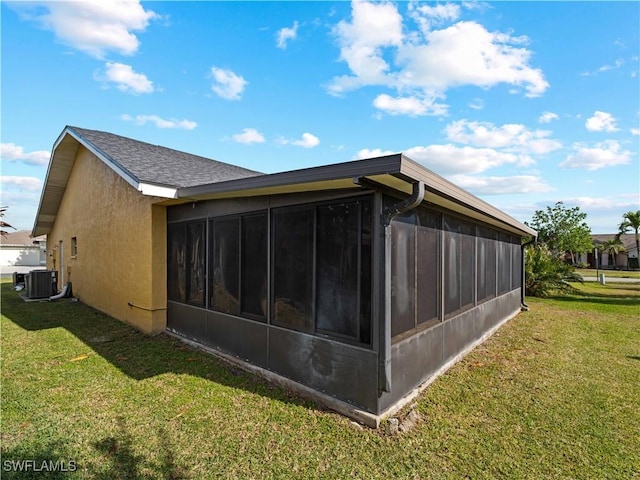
[(41, 283)]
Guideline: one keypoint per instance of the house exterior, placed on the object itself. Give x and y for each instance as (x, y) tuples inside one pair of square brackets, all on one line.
[(19, 249), (357, 282), (626, 259)]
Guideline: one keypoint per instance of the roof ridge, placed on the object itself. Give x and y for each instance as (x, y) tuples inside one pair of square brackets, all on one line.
[(170, 149)]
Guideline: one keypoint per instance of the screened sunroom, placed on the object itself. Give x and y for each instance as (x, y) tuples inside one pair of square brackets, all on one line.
[(359, 281)]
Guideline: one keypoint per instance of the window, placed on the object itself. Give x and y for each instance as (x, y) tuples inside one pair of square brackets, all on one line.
[(186, 262), (322, 269), (459, 265), (74, 247)]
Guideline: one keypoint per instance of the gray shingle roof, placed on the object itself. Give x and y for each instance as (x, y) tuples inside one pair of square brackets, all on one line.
[(20, 237), (627, 239), (160, 165)]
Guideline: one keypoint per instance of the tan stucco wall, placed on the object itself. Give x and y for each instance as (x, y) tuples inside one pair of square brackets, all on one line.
[(121, 239)]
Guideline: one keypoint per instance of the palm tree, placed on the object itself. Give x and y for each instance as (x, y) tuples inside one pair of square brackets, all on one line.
[(612, 247), (4, 224), (632, 222)]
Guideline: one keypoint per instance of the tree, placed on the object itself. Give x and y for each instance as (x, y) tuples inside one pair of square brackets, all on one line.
[(563, 230), (612, 247), (546, 273), (4, 224), (632, 222)]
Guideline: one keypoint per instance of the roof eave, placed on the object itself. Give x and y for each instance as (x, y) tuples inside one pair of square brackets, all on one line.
[(389, 164), (397, 170)]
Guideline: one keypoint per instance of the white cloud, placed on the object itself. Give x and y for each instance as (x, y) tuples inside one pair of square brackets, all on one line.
[(411, 106), (13, 152), (160, 122), (23, 205), (467, 54), (601, 122), (501, 185), (604, 68), (604, 214), (373, 26), (635, 131), (599, 203), (372, 153), (476, 104), (510, 136), (22, 183), (422, 69), (285, 34), (449, 159), (307, 141), (126, 79), (227, 84), (248, 135), (604, 154), (426, 16), (92, 26), (547, 117)]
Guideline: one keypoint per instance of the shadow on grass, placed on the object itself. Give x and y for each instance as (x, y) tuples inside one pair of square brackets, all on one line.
[(618, 300), (121, 461), (136, 354), (633, 357), (624, 296), (49, 461), (118, 460)]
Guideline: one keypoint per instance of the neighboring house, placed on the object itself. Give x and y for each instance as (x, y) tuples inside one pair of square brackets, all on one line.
[(358, 281), (622, 260), (19, 249)]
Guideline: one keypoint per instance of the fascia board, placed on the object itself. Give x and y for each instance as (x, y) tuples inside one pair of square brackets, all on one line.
[(381, 165)]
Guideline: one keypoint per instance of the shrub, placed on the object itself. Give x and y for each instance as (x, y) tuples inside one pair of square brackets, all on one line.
[(546, 274)]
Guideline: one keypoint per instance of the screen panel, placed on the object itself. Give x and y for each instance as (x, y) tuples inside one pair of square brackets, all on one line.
[(293, 268), (225, 264), (254, 247)]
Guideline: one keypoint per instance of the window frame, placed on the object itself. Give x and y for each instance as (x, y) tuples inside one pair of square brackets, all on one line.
[(74, 247)]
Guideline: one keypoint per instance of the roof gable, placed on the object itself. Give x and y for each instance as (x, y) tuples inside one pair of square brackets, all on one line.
[(150, 169)]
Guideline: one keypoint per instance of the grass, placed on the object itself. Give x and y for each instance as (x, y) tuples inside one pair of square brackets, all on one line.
[(555, 393), (592, 272)]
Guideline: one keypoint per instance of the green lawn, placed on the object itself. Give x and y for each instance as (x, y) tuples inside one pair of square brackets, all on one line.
[(554, 394), (592, 272)]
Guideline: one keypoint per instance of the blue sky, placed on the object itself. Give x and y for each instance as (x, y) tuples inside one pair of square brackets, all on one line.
[(523, 104)]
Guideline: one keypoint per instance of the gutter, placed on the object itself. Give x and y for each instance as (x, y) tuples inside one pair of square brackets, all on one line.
[(384, 358)]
